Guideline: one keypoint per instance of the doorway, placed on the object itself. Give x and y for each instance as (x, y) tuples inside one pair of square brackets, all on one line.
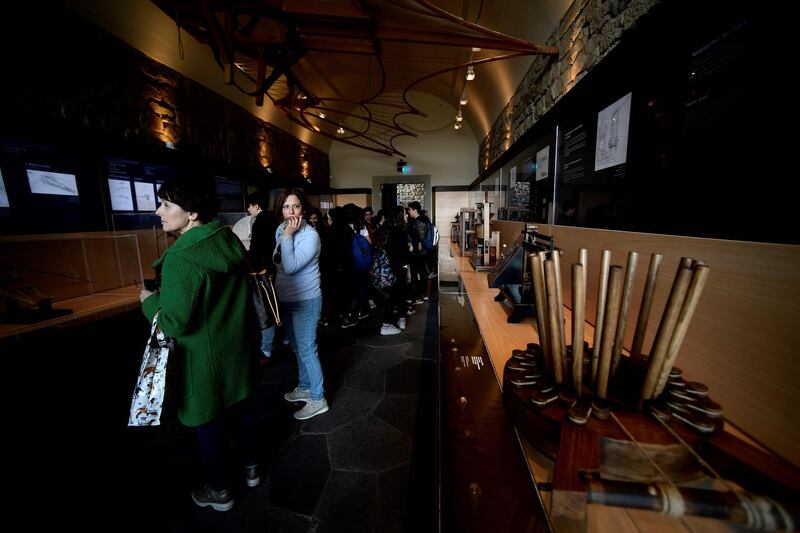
[(388, 196)]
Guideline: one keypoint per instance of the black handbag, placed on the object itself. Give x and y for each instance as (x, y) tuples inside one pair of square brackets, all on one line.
[(264, 299)]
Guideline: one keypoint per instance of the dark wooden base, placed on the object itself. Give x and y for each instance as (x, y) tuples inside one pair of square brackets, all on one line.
[(601, 447)]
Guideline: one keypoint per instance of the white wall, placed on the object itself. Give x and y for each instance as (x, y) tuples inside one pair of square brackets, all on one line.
[(448, 205), (450, 157)]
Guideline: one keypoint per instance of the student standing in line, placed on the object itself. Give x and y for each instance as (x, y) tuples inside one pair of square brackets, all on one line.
[(202, 303), (296, 259)]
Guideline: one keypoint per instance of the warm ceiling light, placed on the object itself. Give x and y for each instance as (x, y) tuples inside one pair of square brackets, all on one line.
[(463, 99), (322, 115), (476, 49), (457, 126), (340, 131), (470, 73), (459, 117)]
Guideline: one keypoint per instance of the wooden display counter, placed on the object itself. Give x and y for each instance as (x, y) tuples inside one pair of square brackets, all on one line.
[(88, 307)]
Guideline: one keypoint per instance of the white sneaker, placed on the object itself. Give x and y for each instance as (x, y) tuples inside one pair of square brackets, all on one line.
[(298, 395), (312, 408), (388, 329), (371, 304), (401, 323)]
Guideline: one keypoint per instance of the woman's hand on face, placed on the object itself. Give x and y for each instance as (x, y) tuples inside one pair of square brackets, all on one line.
[(292, 225)]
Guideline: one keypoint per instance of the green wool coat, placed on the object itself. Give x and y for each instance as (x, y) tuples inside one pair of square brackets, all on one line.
[(203, 302)]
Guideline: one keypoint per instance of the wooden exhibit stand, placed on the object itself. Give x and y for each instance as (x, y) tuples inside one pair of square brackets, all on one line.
[(84, 308), (92, 274), (500, 338)]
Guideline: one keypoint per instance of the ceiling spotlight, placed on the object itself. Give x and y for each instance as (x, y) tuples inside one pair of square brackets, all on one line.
[(457, 126), (340, 131), (463, 99), (322, 114), (476, 49), (459, 117), (470, 73)]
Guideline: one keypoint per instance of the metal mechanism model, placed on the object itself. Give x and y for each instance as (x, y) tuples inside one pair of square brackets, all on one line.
[(512, 275)]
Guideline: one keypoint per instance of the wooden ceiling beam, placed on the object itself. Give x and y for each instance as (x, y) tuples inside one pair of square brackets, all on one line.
[(406, 35)]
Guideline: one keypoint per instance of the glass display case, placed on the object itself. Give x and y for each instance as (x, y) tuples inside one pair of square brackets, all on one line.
[(466, 230), (49, 276)]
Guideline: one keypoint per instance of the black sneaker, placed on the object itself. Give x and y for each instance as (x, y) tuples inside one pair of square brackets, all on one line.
[(251, 473), (348, 322), (219, 500)]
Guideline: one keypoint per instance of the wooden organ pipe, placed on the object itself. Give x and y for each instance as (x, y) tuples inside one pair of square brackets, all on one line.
[(556, 340), (644, 309), (665, 329), (556, 256), (622, 321), (602, 291), (609, 327), (537, 271), (699, 278), (578, 316)]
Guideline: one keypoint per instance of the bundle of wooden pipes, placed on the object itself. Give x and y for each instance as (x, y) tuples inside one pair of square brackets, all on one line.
[(622, 425), (581, 374)]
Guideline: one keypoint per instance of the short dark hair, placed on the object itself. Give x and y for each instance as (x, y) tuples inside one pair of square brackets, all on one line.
[(415, 205), (368, 209), (194, 194), (258, 198), (286, 193)]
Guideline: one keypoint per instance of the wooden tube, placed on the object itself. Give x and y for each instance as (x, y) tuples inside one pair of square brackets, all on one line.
[(687, 310), (644, 309), (560, 308), (578, 317), (537, 271), (583, 258), (602, 290), (664, 334), (610, 326), (556, 340), (750, 510), (622, 321)]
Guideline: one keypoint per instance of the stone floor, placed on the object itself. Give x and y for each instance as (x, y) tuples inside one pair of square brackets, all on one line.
[(366, 465)]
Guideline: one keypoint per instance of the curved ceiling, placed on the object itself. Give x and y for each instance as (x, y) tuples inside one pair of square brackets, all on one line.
[(523, 22)]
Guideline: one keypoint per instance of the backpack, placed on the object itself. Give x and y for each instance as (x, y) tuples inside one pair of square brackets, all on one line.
[(431, 237), (362, 253), (380, 271)]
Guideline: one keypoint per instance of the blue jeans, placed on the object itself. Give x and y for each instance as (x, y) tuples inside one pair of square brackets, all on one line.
[(267, 336), (300, 319)]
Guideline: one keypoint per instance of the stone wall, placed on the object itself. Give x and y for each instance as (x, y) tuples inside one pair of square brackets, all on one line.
[(589, 30), (409, 192)]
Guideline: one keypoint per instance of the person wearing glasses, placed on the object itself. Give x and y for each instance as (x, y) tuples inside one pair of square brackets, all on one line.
[(296, 259)]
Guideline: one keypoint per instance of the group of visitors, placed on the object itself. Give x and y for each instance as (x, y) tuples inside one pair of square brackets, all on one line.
[(337, 265)]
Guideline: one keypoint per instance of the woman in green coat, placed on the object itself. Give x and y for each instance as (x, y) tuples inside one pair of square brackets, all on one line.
[(203, 304)]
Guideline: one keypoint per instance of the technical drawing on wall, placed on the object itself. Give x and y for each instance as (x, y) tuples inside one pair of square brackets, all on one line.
[(121, 197), (543, 163), (3, 193), (145, 196), (47, 182), (612, 134)]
